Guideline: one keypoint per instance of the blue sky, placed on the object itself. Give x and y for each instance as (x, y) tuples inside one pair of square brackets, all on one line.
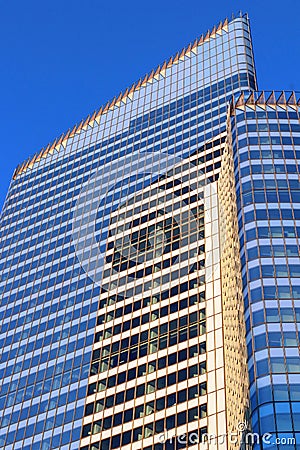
[(63, 59)]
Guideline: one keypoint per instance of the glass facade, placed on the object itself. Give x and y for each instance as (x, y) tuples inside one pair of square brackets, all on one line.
[(266, 152), (122, 318)]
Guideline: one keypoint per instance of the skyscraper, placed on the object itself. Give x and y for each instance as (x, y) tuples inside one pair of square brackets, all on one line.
[(146, 254), (265, 155)]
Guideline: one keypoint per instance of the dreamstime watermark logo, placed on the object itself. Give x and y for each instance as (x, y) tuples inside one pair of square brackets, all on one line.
[(241, 435), (96, 202)]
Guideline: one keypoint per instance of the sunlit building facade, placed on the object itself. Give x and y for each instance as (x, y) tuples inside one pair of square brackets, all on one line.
[(265, 152), (135, 281)]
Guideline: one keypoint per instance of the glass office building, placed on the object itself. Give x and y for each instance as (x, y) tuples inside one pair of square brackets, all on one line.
[(265, 131), (150, 261)]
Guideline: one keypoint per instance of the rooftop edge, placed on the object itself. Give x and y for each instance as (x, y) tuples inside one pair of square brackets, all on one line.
[(123, 97)]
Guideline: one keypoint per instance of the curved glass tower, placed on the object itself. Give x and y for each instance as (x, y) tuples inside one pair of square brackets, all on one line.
[(266, 153)]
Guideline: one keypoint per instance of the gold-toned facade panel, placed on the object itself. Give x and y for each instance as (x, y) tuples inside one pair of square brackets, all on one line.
[(235, 351)]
